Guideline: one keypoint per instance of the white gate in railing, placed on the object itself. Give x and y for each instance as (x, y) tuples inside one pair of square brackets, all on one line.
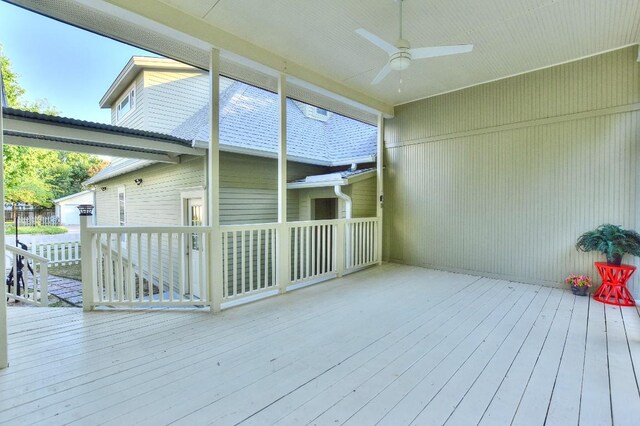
[(149, 266), (361, 243), (28, 283), (58, 253), (168, 266), (314, 250), (248, 260)]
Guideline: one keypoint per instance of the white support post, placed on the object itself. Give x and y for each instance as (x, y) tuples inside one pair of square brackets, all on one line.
[(380, 181), (282, 235), (4, 353), (87, 263), (214, 272)]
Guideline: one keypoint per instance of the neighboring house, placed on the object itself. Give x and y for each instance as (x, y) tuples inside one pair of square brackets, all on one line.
[(162, 95), (67, 207)]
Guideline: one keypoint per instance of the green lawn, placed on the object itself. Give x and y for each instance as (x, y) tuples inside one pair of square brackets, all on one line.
[(72, 271), (48, 230)]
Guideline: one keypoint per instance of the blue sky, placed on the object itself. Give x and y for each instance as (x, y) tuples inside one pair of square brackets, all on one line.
[(71, 68)]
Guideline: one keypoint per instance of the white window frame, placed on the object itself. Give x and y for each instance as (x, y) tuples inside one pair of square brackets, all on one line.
[(131, 97), (122, 214)]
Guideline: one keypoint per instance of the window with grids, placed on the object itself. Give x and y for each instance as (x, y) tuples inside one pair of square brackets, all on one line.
[(126, 105)]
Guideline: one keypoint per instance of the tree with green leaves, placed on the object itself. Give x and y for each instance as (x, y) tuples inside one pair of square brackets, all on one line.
[(37, 176)]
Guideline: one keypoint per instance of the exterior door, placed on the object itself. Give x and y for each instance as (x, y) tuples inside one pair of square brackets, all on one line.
[(194, 217)]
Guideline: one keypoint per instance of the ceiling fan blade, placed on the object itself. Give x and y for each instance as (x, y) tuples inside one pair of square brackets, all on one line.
[(387, 47), (432, 52), (382, 74)]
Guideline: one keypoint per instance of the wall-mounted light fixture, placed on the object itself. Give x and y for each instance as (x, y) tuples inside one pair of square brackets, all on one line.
[(104, 188), (138, 181)]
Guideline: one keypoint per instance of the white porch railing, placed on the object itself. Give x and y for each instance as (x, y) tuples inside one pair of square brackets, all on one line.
[(162, 266), (168, 266), (28, 284), (58, 253)]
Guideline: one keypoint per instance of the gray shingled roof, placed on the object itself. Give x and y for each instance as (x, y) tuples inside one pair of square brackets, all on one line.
[(249, 119)]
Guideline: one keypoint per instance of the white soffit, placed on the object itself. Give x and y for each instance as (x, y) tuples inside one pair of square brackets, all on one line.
[(108, 20), (510, 36)]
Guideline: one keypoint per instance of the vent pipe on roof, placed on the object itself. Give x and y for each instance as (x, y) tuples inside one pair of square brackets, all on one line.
[(338, 190), (354, 167)]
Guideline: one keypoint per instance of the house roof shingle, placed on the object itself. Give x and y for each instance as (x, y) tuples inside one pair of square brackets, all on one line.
[(249, 119)]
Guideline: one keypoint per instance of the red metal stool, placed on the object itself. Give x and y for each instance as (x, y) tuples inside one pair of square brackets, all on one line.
[(613, 290)]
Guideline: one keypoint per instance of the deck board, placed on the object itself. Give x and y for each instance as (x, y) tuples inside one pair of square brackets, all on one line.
[(391, 345)]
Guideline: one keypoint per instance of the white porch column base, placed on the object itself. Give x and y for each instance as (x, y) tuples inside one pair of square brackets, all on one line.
[(87, 263)]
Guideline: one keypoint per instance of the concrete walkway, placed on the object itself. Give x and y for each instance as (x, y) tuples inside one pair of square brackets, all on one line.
[(66, 289)]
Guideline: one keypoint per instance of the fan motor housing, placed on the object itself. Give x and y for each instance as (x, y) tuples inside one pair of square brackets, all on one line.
[(400, 60)]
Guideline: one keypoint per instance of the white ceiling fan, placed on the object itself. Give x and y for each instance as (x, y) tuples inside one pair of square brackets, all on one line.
[(401, 55)]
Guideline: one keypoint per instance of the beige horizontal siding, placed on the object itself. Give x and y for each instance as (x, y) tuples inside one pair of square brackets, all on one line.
[(248, 191), (363, 197), (173, 97), (501, 179)]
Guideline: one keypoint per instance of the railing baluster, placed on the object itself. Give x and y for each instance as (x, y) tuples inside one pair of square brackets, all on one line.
[(140, 268), (100, 270), (170, 261), (202, 279), (130, 284), (109, 265), (267, 282), (314, 261), (182, 257), (295, 253), (119, 279), (235, 263), (251, 286), (259, 259), (160, 269), (150, 286), (244, 266), (273, 256), (225, 265), (307, 231)]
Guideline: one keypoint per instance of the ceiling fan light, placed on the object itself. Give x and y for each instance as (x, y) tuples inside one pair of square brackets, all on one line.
[(400, 61)]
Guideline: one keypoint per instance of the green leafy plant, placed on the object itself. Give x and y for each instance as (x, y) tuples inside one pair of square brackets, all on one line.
[(611, 240)]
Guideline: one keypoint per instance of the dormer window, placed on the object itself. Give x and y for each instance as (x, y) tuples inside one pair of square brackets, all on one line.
[(316, 113), (126, 104)]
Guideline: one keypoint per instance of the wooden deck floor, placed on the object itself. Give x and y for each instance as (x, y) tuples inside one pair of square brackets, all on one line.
[(391, 345)]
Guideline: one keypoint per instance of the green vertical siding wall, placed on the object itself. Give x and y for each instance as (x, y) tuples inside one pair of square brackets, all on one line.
[(500, 179)]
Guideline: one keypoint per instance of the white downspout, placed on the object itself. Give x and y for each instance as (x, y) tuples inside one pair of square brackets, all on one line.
[(344, 197), (347, 229)]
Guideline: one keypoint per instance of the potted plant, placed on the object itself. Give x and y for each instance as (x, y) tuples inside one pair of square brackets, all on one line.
[(580, 284), (611, 240)]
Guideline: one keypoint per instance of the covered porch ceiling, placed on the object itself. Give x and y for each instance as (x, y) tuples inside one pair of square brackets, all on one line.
[(67, 134), (314, 43)]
